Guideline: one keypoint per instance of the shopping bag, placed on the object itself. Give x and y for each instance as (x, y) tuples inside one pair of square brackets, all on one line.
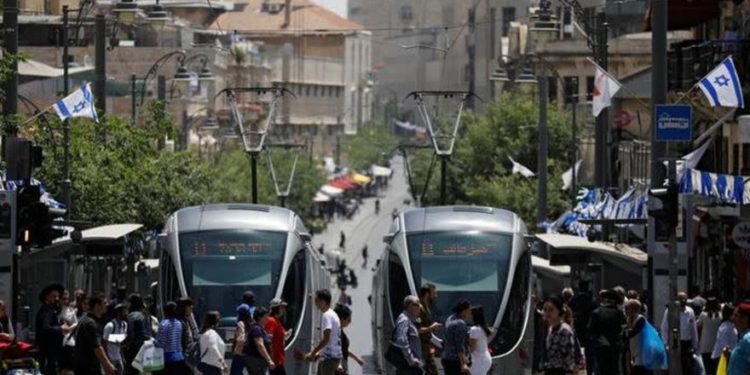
[(722, 368), (138, 361), (698, 367), (653, 353), (153, 359)]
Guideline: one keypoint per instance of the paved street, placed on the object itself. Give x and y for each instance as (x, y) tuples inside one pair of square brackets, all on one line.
[(365, 228)]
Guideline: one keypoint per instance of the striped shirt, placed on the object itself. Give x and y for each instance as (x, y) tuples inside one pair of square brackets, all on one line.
[(169, 338)]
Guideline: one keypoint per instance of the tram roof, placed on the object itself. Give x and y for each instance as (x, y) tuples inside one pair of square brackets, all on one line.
[(234, 216), (457, 218)]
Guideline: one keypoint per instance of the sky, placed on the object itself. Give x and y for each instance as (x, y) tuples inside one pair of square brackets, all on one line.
[(338, 6)]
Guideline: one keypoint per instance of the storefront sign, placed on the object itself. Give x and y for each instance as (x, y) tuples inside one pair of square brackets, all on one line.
[(741, 234)]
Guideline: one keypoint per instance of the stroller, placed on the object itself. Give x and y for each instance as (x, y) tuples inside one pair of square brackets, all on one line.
[(18, 358)]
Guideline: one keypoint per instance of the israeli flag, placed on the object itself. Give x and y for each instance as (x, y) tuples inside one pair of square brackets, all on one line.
[(722, 86), (78, 104)]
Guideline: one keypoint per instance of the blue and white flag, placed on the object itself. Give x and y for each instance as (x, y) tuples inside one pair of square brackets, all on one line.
[(78, 104), (722, 86)]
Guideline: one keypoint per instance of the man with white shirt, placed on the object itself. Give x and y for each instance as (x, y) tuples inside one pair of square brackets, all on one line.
[(688, 333), (329, 346), (116, 326)]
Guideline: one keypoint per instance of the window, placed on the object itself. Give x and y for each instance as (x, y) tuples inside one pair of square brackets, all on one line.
[(514, 317), (552, 89), (398, 285), (570, 89), (589, 88), (406, 13), (294, 290), (307, 90), (736, 158), (745, 159), (509, 15), (170, 288)]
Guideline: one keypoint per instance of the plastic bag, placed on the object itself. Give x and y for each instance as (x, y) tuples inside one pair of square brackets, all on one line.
[(721, 369), (653, 353), (698, 367), (153, 359)]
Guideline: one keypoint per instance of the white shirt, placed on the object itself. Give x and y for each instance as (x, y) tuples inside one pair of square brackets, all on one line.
[(709, 328), (726, 337), (330, 321), (481, 361), (113, 350), (212, 349), (688, 327)]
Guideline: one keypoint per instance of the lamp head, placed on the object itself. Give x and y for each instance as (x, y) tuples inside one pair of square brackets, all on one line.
[(126, 11)]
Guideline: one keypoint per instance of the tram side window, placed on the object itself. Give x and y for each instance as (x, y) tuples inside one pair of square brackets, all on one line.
[(511, 327), (294, 290), (398, 285)]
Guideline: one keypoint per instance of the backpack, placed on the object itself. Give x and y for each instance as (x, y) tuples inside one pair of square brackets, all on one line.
[(194, 354)]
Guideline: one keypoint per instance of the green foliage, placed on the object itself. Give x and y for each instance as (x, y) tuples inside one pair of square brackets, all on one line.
[(480, 172), (373, 144)]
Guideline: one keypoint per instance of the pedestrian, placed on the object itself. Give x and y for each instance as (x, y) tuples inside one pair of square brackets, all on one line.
[(406, 337), (364, 256), (353, 278), (697, 302), (50, 330), (428, 294), (139, 330), (342, 240), (479, 336), (169, 338), (605, 332), (708, 326), (117, 326), (69, 317), (90, 356), (559, 357), (150, 310), (455, 358), (248, 298), (276, 330), (329, 346), (688, 332), (259, 359), (190, 333), (345, 317), (6, 324), (739, 361), (239, 355), (583, 306), (635, 324), (567, 295), (81, 302), (211, 346), (726, 335)]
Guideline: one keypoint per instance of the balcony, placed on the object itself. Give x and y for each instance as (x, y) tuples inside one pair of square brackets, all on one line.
[(307, 70), (690, 60)]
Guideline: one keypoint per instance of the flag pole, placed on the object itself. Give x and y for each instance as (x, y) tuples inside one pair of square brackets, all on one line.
[(32, 118)]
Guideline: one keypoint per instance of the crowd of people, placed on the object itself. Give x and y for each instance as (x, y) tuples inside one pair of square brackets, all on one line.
[(575, 335)]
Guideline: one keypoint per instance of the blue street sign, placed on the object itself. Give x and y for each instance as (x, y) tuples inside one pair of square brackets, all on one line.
[(674, 122)]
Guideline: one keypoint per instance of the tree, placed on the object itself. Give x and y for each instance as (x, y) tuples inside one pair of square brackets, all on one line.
[(373, 144), (479, 169)]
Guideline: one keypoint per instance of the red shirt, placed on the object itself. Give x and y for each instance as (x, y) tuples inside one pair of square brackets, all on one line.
[(278, 335)]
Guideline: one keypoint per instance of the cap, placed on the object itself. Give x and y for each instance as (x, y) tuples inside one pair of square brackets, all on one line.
[(276, 302), (243, 308), (120, 306)]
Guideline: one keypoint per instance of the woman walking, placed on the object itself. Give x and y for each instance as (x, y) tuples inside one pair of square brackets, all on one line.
[(239, 356), (708, 326), (635, 324), (479, 336), (345, 316), (726, 335), (169, 338), (212, 346), (259, 360), (560, 358)]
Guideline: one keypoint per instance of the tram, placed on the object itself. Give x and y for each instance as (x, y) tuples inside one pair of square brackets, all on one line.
[(214, 253), (476, 253)]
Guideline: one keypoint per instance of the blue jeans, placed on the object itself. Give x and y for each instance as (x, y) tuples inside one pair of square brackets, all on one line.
[(207, 369), (238, 364)]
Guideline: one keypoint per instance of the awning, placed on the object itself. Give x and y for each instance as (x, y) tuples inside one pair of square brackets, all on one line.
[(33, 68), (542, 265), (616, 250), (360, 178), (103, 240), (321, 197), (331, 190), (379, 171), (343, 183)]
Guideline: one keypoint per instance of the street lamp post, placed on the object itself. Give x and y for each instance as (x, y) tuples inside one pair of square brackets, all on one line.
[(543, 148), (66, 123)]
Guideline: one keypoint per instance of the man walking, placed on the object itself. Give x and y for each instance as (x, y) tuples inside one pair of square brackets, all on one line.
[(116, 326), (329, 346), (688, 332), (427, 296), (278, 335), (50, 330), (90, 357), (605, 331), (455, 357), (138, 331), (407, 337)]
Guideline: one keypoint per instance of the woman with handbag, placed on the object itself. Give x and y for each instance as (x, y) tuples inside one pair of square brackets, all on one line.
[(345, 316), (560, 357), (211, 346), (259, 359), (635, 324)]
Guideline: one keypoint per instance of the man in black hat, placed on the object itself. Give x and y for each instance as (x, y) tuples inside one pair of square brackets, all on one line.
[(50, 331), (605, 332)]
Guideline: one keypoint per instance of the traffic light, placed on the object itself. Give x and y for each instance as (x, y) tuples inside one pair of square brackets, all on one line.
[(664, 206), (35, 220)]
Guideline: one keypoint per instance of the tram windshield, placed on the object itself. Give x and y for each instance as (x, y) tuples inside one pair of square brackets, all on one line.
[(471, 265), (220, 265)]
